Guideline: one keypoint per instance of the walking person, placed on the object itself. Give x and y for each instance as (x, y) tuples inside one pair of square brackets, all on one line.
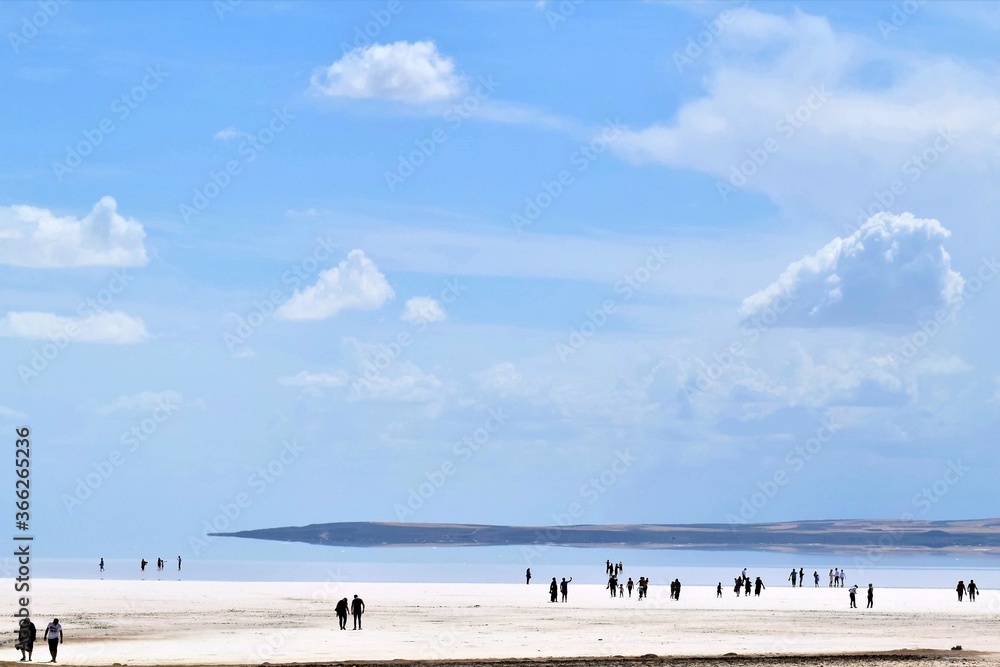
[(793, 577), (341, 610), (718, 590), (961, 590), (972, 590), (758, 587), (564, 588), (26, 634), (871, 596), (357, 608), (854, 591), (54, 634)]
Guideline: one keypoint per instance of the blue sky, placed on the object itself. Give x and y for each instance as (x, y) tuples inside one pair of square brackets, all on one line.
[(275, 263)]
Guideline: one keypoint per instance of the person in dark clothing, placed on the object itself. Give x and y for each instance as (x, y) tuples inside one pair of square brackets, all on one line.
[(629, 586), (527, 576), (612, 584), (102, 564), (758, 586), (793, 577), (142, 565), (553, 590), (961, 590), (871, 596), (607, 568), (802, 577), (357, 608), (564, 588), (746, 586), (718, 590), (677, 589), (54, 635), (26, 634), (341, 610), (738, 588), (853, 592), (972, 590)]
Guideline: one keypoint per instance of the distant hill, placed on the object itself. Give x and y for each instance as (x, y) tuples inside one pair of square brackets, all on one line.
[(979, 535)]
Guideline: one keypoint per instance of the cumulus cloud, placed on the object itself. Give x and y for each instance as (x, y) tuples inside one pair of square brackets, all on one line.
[(415, 73), (36, 237), (316, 380), (146, 401), (354, 283), (894, 270), (423, 309), (105, 327), (789, 100)]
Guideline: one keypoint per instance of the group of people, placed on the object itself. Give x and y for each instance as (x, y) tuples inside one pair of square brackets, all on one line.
[(742, 583), (853, 591), (838, 578), (971, 589), (799, 578), (27, 633), (356, 607), (160, 564), (556, 588)]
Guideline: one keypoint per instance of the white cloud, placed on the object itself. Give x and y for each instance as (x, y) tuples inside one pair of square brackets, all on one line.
[(408, 72), (423, 309), (894, 270), (106, 327), (789, 101), (230, 133), (146, 401), (306, 379), (408, 384), (10, 413), (36, 237), (354, 283)]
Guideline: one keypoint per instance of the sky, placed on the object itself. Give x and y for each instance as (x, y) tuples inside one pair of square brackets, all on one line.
[(536, 263)]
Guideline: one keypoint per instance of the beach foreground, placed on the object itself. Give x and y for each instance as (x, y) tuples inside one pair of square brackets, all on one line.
[(214, 623)]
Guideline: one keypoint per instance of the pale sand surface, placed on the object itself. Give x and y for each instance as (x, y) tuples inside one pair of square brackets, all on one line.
[(198, 623)]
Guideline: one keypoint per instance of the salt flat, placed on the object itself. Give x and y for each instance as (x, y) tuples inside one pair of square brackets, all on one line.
[(198, 623)]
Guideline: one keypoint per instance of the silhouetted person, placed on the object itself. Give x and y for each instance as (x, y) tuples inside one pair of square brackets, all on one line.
[(178, 563), (341, 610), (758, 586), (101, 564), (629, 585), (718, 590), (961, 590), (802, 577), (972, 590), (607, 568), (746, 586), (564, 588), (26, 634), (553, 590), (793, 577), (871, 596), (738, 588), (612, 584), (676, 589), (527, 576), (815, 579), (854, 591), (357, 608), (142, 565)]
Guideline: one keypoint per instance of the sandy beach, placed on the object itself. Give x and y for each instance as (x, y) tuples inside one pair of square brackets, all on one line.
[(209, 623)]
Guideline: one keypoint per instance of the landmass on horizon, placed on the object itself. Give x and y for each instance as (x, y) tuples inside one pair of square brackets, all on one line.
[(848, 535)]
